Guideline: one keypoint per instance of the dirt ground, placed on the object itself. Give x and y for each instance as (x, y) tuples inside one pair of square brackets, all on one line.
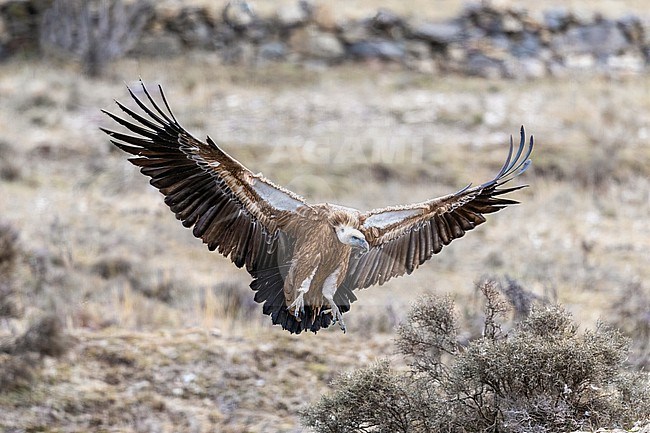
[(167, 336)]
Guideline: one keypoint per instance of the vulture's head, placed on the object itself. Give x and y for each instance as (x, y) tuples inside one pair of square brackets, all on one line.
[(353, 237), (345, 224)]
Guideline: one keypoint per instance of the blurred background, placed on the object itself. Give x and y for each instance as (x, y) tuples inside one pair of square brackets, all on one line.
[(114, 318)]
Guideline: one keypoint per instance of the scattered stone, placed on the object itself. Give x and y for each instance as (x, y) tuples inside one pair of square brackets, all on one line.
[(557, 20), (193, 27), (293, 15), (580, 61), (528, 67), (387, 20), (313, 43), (273, 51), (382, 49), (238, 14), (480, 65), (526, 45), (388, 24), (512, 24), (418, 49), (438, 33), (632, 28), (356, 31), (602, 39)]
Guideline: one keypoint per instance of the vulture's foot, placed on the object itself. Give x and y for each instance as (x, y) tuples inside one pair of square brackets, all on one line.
[(337, 316), (298, 305)]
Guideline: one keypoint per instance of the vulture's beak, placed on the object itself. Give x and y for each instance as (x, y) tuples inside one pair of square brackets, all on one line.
[(362, 244)]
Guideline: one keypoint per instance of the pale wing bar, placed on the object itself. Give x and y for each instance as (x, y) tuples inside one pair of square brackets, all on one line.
[(197, 185), (403, 238)]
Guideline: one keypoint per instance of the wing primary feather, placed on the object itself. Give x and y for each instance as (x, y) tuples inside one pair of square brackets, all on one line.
[(522, 142), (127, 148), (197, 213), (131, 126), (164, 98), (130, 139), (204, 188), (506, 165), (140, 118), (144, 107), (185, 208), (152, 101), (525, 161)]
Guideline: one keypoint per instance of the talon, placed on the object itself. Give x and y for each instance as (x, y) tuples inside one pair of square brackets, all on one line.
[(337, 316), (298, 306)]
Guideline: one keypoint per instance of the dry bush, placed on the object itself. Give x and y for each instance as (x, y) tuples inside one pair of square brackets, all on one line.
[(9, 169), (45, 337), (234, 302), (541, 376), (17, 371), (631, 314), (112, 266), (93, 32), (9, 252), (373, 399), (22, 357)]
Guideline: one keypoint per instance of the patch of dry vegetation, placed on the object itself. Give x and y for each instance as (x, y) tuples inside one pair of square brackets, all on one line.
[(541, 376), (22, 355)]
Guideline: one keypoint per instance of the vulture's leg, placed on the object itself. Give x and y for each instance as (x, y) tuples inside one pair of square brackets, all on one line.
[(329, 289), (298, 305)]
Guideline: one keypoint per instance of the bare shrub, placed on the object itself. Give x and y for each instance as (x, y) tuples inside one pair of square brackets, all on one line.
[(44, 337), (234, 301), (9, 252), (541, 376), (631, 313), (373, 400), (21, 358), (93, 32), (112, 266), (9, 169), (17, 371), (156, 284)]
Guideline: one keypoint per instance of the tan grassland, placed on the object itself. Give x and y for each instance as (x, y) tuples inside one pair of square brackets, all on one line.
[(167, 335)]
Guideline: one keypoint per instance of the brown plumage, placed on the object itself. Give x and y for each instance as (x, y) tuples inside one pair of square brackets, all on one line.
[(305, 259)]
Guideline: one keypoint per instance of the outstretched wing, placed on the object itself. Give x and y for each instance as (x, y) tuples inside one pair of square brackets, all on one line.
[(403, 237), (229, 207)]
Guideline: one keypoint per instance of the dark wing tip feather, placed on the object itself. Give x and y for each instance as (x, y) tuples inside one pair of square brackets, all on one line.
[(514, 166), (164, 98)]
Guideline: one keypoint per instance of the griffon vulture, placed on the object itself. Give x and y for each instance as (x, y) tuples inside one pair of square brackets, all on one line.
[(305, 259)]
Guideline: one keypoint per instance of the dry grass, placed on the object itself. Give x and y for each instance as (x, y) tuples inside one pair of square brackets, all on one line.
[(103, 252)]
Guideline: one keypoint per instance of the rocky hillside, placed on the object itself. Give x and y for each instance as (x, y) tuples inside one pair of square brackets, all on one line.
[(482, 40)]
